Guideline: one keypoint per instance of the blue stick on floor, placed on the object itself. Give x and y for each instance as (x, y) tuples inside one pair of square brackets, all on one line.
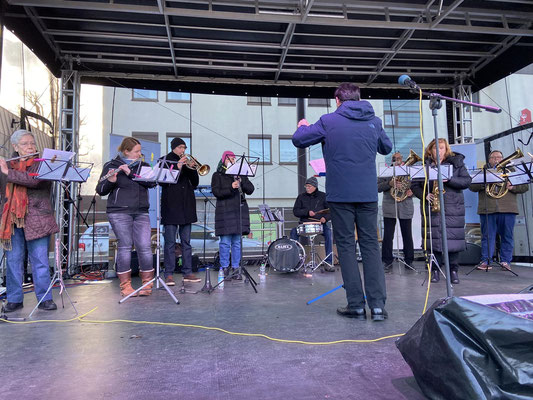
[(324, 294)]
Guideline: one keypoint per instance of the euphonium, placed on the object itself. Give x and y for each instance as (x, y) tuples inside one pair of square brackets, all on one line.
[(499, 189), (193, 163), (403, 183)]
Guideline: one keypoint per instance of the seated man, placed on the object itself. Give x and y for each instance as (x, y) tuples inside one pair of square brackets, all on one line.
[(306, 206)]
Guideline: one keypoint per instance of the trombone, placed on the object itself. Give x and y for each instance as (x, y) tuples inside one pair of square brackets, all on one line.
[(193, 163)]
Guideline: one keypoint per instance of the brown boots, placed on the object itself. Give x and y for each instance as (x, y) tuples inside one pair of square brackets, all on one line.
[(146, 276), (125, 283)]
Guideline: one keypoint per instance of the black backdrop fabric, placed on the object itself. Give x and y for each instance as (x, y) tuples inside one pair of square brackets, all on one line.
[(460, 349)]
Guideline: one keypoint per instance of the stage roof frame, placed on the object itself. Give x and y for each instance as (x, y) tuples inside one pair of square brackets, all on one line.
[(291, 48)]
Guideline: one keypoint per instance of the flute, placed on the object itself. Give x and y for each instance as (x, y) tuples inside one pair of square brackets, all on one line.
[(18, 158), (116, 171)]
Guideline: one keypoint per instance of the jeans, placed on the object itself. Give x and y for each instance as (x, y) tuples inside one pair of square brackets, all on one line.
[(344, 216), (389, 225), (38, 256), (502, 224), (228, 242), (326, 231), (132, 229), (170, 248)]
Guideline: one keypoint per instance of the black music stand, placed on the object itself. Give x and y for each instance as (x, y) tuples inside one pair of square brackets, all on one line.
[(243, 166), (163, 172), (57, 166)]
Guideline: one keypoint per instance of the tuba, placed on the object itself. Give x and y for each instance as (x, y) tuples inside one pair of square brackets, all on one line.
[(193, 163), (499, 189), (403, 183)]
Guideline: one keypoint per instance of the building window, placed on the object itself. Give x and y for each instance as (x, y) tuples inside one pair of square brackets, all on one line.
[(186, 138), (401, 121), (318, 102), (288, 154), (149, 136), (178, 97), (256, 101), (260, 147), (389, 119), (144, 95), (286, 101)]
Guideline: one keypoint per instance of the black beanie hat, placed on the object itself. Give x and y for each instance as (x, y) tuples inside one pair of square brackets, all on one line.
[(176, 142)]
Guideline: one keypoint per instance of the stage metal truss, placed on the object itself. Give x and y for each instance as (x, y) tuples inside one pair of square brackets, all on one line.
[(312, 43), (68, 141), (463, 129)]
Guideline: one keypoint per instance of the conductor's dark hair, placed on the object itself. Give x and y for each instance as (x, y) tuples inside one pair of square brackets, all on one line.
[(348, 91)]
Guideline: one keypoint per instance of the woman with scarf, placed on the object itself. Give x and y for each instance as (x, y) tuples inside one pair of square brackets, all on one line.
[(27, 222), (127, 210), (231, 204), (454, 207)]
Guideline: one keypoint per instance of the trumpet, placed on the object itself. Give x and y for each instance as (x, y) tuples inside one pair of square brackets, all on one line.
[(116, 171), (193, 163)]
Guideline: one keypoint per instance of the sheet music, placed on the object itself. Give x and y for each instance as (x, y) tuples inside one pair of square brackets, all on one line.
[(77, 174), (267, 214), (478, 177), (162, 175), (246, 170), (389, 172), (520, 176), (417, 172), (54, 164)]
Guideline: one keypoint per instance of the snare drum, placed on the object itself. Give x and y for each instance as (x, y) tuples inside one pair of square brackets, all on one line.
[(309, 228), (286, 255)]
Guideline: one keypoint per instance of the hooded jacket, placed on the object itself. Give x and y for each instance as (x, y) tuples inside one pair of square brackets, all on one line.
[(454, 206), (178, 203), (125, 195), (229, 201), (351, 137)]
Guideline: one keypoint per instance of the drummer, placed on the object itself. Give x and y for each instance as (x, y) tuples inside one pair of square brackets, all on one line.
[(311, 207)]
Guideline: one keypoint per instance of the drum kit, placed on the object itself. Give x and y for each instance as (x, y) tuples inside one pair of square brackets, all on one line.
[(288, 255)]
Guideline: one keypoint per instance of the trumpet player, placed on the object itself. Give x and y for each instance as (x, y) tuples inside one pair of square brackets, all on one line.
[(497, 216), (178, 212), (396, 208), (127, 211), (454, 206)]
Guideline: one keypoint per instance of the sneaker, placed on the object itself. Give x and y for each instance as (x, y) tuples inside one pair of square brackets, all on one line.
[(191, 278), (48, 305), (10, 307), (483, 266), (505, 266), (170, 281)]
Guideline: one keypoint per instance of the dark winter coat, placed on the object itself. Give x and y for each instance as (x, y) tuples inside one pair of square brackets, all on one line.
[(305, 202), (125, 195), (490, 205), (178, 203), (405, 208), (228, 202), (351, 137), (40, 221), (454, 206)]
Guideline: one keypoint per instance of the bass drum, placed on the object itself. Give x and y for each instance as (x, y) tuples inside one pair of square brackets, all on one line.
[(286, 255)]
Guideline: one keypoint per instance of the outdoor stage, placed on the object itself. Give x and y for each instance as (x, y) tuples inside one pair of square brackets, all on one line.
[(117, 359)]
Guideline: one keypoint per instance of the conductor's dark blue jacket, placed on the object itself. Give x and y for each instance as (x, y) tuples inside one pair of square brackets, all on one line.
[(351, 137)]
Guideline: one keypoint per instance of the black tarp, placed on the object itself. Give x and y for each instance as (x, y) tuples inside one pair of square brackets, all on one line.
[(462, 349)]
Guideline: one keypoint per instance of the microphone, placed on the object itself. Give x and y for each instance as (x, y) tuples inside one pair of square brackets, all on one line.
[(405, 80)]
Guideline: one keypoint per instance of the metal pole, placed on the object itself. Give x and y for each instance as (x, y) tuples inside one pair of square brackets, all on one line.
[(301, 153)]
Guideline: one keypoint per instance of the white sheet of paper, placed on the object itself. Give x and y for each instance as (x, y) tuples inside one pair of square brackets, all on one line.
[(478, 176), (247, 169), (77, 174), (389, 172), (417, 172)]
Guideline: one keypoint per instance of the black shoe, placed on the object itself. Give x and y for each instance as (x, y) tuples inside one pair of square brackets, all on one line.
[(10, 307), (357, 313), (237, 274), (378, 314), (327, 268), (48, 305), (435, 276), (387, 268), (454, 277)]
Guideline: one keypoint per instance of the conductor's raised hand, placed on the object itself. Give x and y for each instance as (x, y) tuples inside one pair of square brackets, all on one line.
[(303, 122)]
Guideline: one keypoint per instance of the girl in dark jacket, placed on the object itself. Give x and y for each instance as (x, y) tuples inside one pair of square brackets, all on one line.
[(127, 210), (230, 192), (454, 207)]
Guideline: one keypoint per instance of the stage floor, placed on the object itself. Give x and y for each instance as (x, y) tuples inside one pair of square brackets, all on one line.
[(104, 356)]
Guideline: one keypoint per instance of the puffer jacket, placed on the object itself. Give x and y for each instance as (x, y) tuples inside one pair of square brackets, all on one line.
[(40, 220), (454, 206), (405, 208), (229, 201)]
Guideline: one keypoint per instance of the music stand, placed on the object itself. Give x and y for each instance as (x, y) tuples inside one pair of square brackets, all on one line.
[(243, 166), (163, 172), (57, 166)]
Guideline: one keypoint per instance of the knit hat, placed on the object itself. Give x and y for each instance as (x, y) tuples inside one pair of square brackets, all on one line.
[(227, 153), (176, 142), (312, 181)]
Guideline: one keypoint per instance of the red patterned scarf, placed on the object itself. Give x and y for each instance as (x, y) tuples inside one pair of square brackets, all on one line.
[(15, 206)]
